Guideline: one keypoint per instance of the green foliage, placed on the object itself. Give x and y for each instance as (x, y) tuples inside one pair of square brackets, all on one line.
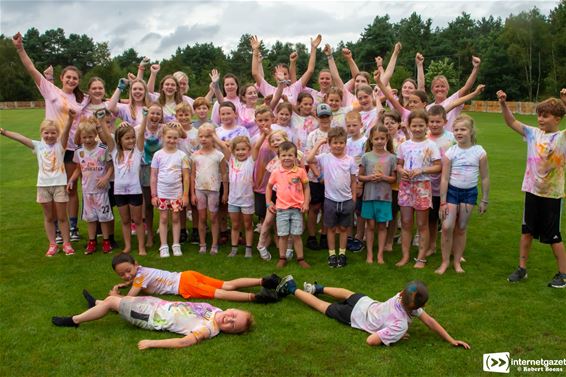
[(441, 67)]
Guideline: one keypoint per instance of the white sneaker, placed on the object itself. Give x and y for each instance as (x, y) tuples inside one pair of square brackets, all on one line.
[(176, 250), (248, 253), (289, 254), (164, 251), (264, 253)]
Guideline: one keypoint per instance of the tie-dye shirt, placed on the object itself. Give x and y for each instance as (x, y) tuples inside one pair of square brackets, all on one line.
[(443, 142), (546, 157), (50, 161), (227, 134), (93, 164), (418, 155), (312, 139), (303, 126), (356, 148), (389, 320)]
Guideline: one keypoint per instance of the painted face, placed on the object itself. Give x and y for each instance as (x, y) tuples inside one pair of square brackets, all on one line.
[(154, 114), (360, 79), (418, 129), (365, 100), (276, 140), (324, 80), (353, 127), (170, 138), (415, 103), (548, 122), (227, 116), (137, 92), (379, 141), (169, 87), (391, 125), (407, 89), (462, 134), (250, 96), (230, 87), (334, 101), (88, 139), (126, 271), (287, 158), (338, 146), (242, 151), (183, 85), (440, 89), (128, 140), (231, 321), (70, 80), (202, 111), (436, 124), (305, 107), (183, 117), (50, 135), (96, 91), (263, 120), (283, 116)]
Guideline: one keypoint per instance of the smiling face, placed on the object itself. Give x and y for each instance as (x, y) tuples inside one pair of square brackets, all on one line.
[(88, 139), (183, 117), (338, 146), (334, 101), (170, 87), (418, 129), (439, 89), (305, 107), (283, 116), (241, 151), (154, 114), (250, 95), (137, 92), (360, 79), (391, 124), (275, 140), (170, 137), (128, 140), (227, 116), (548, 122), (49, 134), (288, 157), (365, 100), (324, 80), (232, 321), (436, 124), (264, 120), (96, 91), (183, 85), (407, 89), (202, 112), (70, 79), (230, 87), (127, 271)]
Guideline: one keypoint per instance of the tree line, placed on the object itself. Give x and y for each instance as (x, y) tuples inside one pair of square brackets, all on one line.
[(523, 54)]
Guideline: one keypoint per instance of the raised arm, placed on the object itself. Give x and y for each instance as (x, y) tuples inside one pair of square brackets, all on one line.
[(432, 324), (153, 71), (141, 67), (466, 98), (484, 174), (388, 73), (48, 74), (563, 96), (312, 60), (18, 42), (347, 54), (388, 94), (281, 85), (293, 66), (17, 137), (508, 115), (214, 84), (332, 67), (112, 105), (472, 78), (103, 132), (311, 157), (419, 61), (67, 129), (225, 149), (140, 137), (256, 147), (255, 44)]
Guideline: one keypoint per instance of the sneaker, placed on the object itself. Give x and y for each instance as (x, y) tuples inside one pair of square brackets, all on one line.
[(176, 250), (332, 261), (341, 260), (312, 243), (248, 253), (202, 249), (266, 296), (90, 247), (133, 229), (214, 250), (518, 275), (194, 237), (68, 249), (349, 243), (53, 249), (270, 281), (264, 253), (74, 234), (313, 288), (559, 281), (106, 246), (416, 240), (58, 238), (286, 287), (356, 245), (323, 244), (164, 251), (183, 236), (289, 254), (234, 252)]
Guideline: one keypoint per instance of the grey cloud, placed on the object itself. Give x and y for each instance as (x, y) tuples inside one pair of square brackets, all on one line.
[(149, 37), (184, 35), (118, 43)]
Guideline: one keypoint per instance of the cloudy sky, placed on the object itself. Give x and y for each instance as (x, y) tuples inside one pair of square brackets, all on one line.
[(157, 28)]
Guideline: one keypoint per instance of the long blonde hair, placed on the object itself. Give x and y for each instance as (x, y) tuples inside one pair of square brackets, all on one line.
[(146, 99)]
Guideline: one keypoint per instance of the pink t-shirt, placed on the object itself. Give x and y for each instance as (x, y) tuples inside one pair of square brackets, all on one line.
[(292, 91), (261, 175), (289, 186), (125, 114), (451, 115), (93, 164), (215, 115), (246, 119)]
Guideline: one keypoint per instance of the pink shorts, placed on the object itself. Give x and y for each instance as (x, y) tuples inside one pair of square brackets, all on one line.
[(175, 205), (207, 199), (415, 194)]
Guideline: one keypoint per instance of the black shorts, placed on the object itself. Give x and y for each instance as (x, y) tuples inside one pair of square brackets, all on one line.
[(541, 218), (260, 205), (69, 154), (111, 197), (433, 213), (338, 213), (132, 200), (317, 192), (395, 202), (342, 311)]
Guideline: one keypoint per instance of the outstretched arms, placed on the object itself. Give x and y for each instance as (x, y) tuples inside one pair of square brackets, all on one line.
[(432, 324), (18, 42), (472, 78), (508, 115)]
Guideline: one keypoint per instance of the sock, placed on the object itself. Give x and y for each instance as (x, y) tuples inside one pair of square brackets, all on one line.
[(234, 249), (73, 222), (64, 322), (89, 299), (249, 249), (318, 288), (342, 251), (331, 252)]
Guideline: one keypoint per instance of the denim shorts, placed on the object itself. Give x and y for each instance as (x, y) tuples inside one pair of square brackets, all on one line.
[(289, 221), (457, 195), (237, 209)]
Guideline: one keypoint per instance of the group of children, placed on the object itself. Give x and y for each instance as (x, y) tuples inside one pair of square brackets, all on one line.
[(334, 154)]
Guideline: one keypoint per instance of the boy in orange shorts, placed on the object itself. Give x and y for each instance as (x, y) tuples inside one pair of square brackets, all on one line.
[(189, 284)]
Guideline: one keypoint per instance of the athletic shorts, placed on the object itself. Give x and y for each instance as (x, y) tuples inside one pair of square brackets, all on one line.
[(259, 204), (96, 207), (50, 194), (237, 209), (456, 195), (196, 285), (317, 192), (175, 205), (207, 199), (338, 213), (541, 218), (378, 210), (342, 311), (125, 200), (289, 222), (111, 197), (415, 194), (137, 310)]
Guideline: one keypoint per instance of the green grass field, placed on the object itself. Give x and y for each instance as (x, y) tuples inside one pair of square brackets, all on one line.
[(289, 339)]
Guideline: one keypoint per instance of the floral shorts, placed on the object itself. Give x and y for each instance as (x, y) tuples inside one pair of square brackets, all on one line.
[(416, 194), (175, 205)]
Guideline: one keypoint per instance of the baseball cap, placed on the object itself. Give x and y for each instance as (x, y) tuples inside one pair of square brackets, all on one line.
[(323, 110)]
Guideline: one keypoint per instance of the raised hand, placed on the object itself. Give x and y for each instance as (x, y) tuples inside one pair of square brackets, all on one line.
[(214, 76), (122, 84), (48, 73), (155, 68), (316, 41), (255, 42), (480, 88), (476, 61), (379, 61), (347, 54), (419, 59), (131, 76), (280, 73), (144, 61), (18, 41), (327, 50), (398, 47), (501, 96), (293, 56)]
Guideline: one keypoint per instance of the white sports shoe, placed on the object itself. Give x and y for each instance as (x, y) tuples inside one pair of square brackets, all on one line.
[(164, 251), (176, 250)]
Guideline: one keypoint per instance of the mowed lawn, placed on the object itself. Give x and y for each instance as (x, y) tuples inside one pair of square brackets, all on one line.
[(289, 339)]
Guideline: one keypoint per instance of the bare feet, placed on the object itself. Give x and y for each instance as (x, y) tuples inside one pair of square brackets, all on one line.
[(459, 269), (420, 265), (126, 250), (442, 269), (402, 262), (430, 252), (369, 261), (303, 264), (149, 243), (388, 248), (142, 253), (380, 261)]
